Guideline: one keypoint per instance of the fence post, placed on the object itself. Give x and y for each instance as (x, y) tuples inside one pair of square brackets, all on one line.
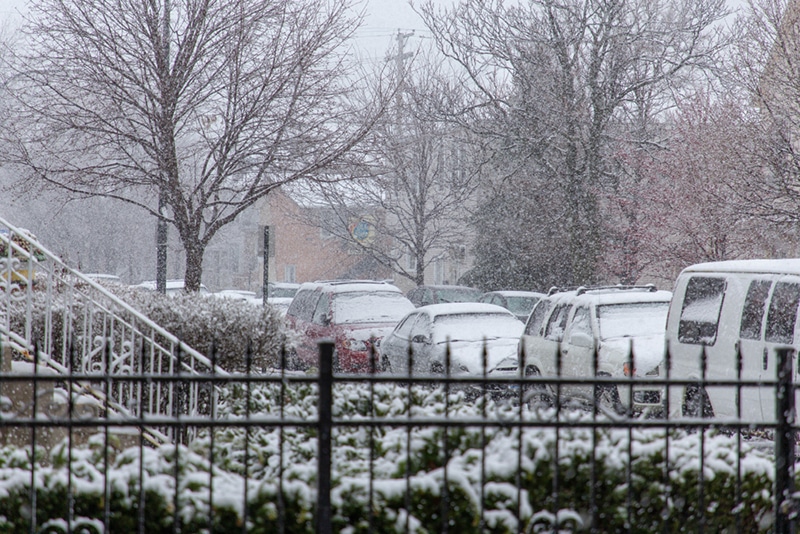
[(325, 410), (784, 443)]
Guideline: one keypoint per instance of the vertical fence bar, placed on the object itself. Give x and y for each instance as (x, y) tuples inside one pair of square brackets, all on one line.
[(784, 443), (324, 444)]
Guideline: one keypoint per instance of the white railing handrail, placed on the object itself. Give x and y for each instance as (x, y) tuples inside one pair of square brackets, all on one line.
[(116, 300)]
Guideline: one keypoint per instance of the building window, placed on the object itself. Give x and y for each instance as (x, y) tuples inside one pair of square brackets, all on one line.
[(290, 274), (411, 261), (438, 271)]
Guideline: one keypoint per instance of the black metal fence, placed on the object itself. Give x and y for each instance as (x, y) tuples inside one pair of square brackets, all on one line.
[(316, 451)]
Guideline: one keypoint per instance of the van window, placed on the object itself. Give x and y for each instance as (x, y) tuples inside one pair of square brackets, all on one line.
[(700, 313), (755, 305), (783, 313)]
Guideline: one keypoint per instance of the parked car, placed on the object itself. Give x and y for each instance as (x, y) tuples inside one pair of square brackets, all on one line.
[(355, 314), (623, 325), (174, 287), (236, 294), (466, 328), (282, 290), (732, 315), (426, 295), (520, 303)]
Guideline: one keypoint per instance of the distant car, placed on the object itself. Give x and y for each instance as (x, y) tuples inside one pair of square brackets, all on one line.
[(624, 325), (282, 290), (426, 295), (355, 314), (236, 294), (520, 303), (465, 327), (174, 287), (103, 278)]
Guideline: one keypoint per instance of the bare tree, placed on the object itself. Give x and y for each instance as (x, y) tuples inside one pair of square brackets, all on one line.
[(413, 201), (563, 73), (205, 105), (765, 71)]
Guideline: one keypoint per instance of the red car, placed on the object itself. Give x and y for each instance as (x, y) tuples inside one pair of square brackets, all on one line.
[(355, 314)]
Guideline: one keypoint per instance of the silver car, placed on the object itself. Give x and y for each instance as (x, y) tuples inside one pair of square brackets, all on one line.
[(466, 328)]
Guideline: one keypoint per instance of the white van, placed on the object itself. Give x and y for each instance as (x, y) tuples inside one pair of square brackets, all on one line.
[(722, 309)]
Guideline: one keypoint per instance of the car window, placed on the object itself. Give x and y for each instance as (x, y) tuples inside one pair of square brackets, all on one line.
[(414, 296), (282, 292), (487, 298), (521, 305), (581, 322), (534, 326), (426, 298), (475, 327), (700, 312), (457, 294), (635, 319), (755, 305), (404, 328), (422, 326), (321, 312), (557, 322), (303, 304), (782, 314), (370, 307)]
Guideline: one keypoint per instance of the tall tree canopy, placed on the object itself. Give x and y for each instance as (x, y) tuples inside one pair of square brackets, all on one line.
[(558, 82), (207, 104)]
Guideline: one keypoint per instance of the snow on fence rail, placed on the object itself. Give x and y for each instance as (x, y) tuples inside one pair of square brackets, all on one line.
[(57, 318)]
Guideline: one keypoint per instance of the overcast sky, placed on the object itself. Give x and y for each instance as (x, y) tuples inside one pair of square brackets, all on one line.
[(384, 18)]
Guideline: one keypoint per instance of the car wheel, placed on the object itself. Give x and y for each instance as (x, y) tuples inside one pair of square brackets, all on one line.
[(536, 395), (607, 396), (696, 403)]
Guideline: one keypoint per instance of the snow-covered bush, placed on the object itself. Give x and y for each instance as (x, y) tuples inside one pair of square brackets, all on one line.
[(225, 330), (496, 476)]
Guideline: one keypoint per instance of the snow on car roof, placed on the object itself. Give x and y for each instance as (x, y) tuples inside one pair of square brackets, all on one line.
[(766, 266), (510, 293), (453, 308), (346, 286), (622, 296)]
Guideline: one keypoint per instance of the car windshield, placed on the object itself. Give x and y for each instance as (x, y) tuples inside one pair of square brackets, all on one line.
[(636, 319), (475, 327), (457, 294), (521, 305), (374, 307)]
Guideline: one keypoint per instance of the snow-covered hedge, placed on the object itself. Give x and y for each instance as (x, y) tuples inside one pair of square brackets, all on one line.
[(223, 328), (486, 476)]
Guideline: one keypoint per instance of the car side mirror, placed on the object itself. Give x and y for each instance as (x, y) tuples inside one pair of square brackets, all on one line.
[(581, 339), (419, 338)]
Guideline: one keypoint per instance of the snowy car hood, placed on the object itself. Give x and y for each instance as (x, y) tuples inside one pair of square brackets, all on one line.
[(470, 353)]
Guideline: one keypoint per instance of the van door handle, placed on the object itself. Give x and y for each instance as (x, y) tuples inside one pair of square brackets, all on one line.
[(766, 358)]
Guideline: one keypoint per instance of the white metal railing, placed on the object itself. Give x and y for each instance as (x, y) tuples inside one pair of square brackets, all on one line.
[(77, 326)]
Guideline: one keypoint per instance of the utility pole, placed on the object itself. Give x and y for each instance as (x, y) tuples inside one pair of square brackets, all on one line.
[(400, 65)]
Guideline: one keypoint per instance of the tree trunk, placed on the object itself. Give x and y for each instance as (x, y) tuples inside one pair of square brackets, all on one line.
[(194, 266)]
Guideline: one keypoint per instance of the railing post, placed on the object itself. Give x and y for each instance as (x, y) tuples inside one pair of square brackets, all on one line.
[(784, 443), (325, 411)]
